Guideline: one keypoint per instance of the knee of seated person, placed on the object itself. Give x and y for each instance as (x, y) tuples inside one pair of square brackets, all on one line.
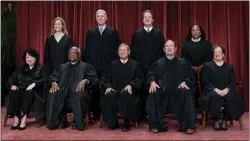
[(185, 91), (124, 93), (82, 93), (110, 94)]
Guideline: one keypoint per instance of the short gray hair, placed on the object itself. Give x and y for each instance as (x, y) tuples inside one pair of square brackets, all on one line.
[(124, 44), (101, 10)]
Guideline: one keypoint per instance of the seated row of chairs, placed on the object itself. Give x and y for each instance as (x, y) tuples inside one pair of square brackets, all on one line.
[(204, 118)]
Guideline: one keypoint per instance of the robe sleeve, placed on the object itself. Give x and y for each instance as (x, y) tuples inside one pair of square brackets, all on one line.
[(189, 76), (86, 46), (91, 76), (55, 75), (46, 53), (184, 51), (13, 80), (106, 80), (71, 42), (152, 74), (133, 44), (232, 84), (206, 79), (208, 52), (162, 41), (138, 78), (117, 39), (43, 77)]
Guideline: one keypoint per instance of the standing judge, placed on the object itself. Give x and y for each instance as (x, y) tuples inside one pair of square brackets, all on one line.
[(101, 46), (57, 45), (146, 47), (197, 50), (171, 89), (69, 83), (122, 84)]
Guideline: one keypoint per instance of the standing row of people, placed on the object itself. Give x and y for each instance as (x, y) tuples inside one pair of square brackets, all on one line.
[(169, 80)]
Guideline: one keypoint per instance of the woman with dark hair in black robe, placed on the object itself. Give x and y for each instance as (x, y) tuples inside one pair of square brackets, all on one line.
[(25, 86), (219, 91), (196, 50)]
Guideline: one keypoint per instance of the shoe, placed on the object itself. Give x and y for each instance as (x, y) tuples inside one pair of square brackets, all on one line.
[(125, 127), (21, 128), (163, 128), (217, 126), (154, 130), (182, 127), (113, 127), (62, 126), (16, 127), (223, 125), (189, 131)]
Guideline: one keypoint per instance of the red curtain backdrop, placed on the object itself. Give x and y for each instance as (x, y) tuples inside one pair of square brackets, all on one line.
[(225, 23)]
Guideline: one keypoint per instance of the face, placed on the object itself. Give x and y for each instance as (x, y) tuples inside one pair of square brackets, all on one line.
[(218, 54), (196, 32), (101, 18), (148, 19), (169, 48), (58, 25), (30, 60), (123, 52), (73, 55)]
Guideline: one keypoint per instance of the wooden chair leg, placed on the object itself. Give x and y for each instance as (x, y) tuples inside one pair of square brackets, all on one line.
[(101, 121), (231, 122), (136, 124), (87, 119), (203, 119), (5, 118), (241, 123)]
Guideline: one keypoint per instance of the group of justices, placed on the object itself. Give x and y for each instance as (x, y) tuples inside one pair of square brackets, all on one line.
[(146, 79)]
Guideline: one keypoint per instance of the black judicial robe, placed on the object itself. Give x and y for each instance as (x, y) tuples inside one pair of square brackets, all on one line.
[(181, 72), (169, 74), (101, 50), (23, 77), (118, 76), (197, 53), (214, 76), (60, 75), (146, 47), (56, 53)]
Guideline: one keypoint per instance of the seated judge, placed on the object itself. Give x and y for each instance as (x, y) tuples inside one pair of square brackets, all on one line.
[(25, 86), (219, 91), (122, 83), (171, 89), (69, 83)]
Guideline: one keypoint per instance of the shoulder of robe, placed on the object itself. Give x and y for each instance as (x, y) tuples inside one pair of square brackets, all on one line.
[(209, 64)]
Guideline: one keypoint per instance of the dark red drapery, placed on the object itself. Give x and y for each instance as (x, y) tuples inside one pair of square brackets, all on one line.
[(225, 23)]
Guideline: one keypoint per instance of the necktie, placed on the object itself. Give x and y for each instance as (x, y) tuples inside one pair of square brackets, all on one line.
[(101, 30), (148, 30), (124, 62)]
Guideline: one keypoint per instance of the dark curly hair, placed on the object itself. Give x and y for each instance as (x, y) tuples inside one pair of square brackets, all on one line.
[(31, 52), (189, 35)]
